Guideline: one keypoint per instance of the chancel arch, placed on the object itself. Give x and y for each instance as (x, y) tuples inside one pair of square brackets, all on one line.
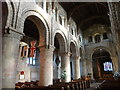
[(103, 66)]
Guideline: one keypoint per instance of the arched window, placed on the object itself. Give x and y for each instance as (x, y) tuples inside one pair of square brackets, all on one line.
[(72, 31), (42, 4), (56, 14), (97, 38), (105, 36), (80, 38), (47, 7), (64, 21), (90, 39), (80, 52), (60, 20)]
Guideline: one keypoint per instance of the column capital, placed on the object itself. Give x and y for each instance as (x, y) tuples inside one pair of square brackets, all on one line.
[(77, 57), (65, 53), (47, 47), (13, 33)]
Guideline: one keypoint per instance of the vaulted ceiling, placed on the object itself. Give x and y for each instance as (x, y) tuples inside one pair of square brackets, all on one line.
[(86, 14)]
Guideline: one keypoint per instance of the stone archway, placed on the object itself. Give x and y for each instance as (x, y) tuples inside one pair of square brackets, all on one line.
[(74, 61), (61, 54), (102, 64), (28, 61), (62, 40), (46, 50), (41, 23)]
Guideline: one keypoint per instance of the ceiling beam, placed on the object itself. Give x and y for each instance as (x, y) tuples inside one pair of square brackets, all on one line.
[(91, 18), (75, 8), (71, 11)]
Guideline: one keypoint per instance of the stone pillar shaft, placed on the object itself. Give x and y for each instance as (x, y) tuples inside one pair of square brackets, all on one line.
[(10, 52), (115, 26), (77, 67), (84, 67), (46, 66), (115, 63), (65, 65)]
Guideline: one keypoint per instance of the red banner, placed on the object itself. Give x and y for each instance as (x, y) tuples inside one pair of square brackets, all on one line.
[(32, 48)]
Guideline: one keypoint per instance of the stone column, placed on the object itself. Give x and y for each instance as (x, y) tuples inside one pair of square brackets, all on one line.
[(46, 65), (65, 65), (11, 41), (89, 67), (115, 63), (114, 15), (77, 67), (93, 37), (84, 68)]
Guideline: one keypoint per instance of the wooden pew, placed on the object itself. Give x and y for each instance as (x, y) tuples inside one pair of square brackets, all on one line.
[(79, 84), (60, 86)]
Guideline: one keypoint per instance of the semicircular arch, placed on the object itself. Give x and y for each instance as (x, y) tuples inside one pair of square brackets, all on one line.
[(62, 40), (73, 47), (101, 47), (39, 21)]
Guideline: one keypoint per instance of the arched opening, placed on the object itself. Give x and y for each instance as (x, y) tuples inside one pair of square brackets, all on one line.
[(105, 36), (90, 39), (56, 12), (29, 57), (60, 20), (102, 64), (72, 60), (97, 38), (59, 43), (56, 59)]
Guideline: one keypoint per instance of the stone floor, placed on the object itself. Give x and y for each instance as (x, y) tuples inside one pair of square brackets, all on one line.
[(93, 86)]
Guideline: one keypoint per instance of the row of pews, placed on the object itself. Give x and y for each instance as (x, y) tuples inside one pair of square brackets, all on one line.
[(79, 84), (109, 84)]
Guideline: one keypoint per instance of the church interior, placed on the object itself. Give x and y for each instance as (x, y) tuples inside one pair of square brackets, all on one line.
[(52, 45)]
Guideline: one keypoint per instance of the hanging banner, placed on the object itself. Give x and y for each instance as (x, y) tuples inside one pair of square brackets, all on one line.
[(32, 49)]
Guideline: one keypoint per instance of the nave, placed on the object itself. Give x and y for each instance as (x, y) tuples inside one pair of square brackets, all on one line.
[(60, 45)]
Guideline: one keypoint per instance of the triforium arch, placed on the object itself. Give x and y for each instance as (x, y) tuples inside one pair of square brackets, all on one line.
[(41, 24), (101, 57), (62, 41)]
